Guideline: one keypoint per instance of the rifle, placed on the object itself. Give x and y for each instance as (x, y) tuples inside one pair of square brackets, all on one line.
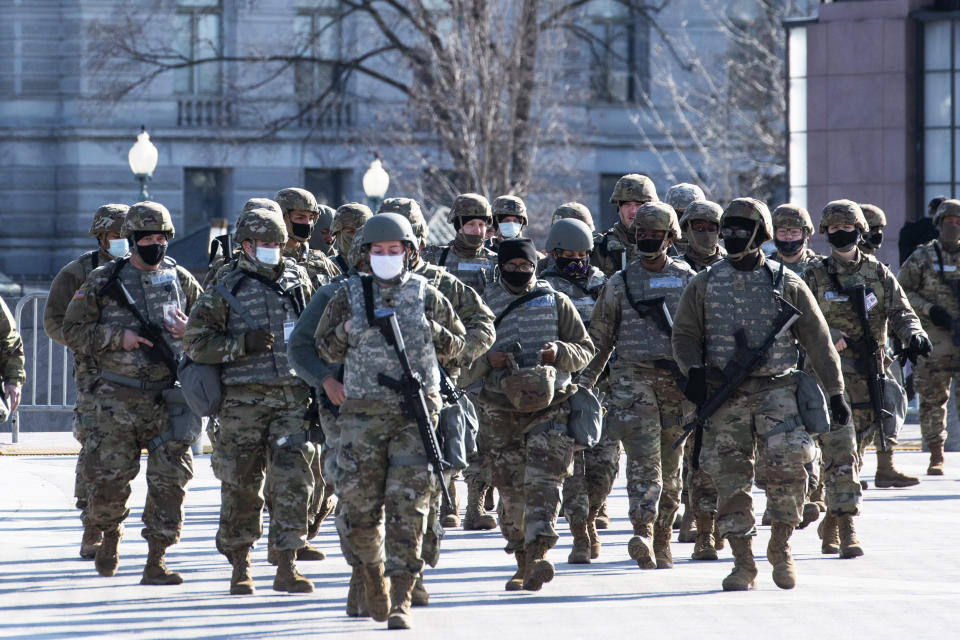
[(450, 392), (869, 356), (744, 361)]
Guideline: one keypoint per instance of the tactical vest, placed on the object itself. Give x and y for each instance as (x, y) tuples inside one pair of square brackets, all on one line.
[(474, 271), (614, 249), (89, 261), (150, 291), (582, 292), (800, 266), (272, 311), (644, 337), (369, 354), (745, 299), (940, 269), (315, 266)]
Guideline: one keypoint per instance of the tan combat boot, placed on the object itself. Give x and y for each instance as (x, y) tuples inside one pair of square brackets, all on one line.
[(778, 554), (155, 570), (661, 546), (935, 468), (539, 569), (688, 527), (401, 587), (108, 556), (887, 476), (744, 574), (375, 585), (515, 583), (580, 554), (489, 503), (811, 513), (603, 519), (92, 538), (357, 595), (475, 517), (829, 534), (309, 553), (449, 511), (704, 548), (849, 545), (241, 584), (419, 597), (717, 538), (288, 578), (640, 546)]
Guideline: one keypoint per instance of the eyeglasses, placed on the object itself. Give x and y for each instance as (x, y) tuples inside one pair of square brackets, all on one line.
[(523, 268), (731, 232)]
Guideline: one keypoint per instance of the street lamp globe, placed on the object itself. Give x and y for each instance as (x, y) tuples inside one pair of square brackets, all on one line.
[(375, 183), (142, 158)]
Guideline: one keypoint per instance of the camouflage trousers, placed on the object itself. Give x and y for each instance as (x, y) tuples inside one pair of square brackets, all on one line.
[(594, 471), (385, 488), (126, 420), (84, 423), (933, 392), (863, 421), (699, 489), (761, 413), (263, 434), (527, 457), (647, 416)]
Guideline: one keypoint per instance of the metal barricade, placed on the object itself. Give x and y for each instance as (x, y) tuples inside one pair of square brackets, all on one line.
[(55, 353)]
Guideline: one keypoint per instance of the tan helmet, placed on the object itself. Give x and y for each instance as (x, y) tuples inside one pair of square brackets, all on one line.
[(843, 212), (263, 225), (658, 216), (949, 207), (569, 234), (469, 205), (792, 215), (294, 199), (751, 209), (701, 210), (679, 196), (261, 203), (633, 187), (108, 218), (576, 211), (351, 214), (409, 209), (509, 206), (148, 216), (874, 215)]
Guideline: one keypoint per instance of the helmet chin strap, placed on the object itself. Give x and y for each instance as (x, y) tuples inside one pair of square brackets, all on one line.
[(749, 248)]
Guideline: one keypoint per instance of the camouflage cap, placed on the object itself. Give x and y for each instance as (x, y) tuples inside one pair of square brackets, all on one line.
[(658, 216), (633, 187), (948, 207), (388, 227), (263, 225), (325, 217), (294, 199), (792, 215), (509, 206), (470, 205), (148, 216), (874, 215), (679, 196), (751, 209), (576, 211), (843, 212), (261, 203), (107, 218), (351, 214), (569, 234), (409, 209), (701, 210)]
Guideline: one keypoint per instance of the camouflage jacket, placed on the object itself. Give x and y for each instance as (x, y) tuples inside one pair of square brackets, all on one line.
[(474, 267), (11, 348), (807, 257), (612, 249), (699, 262), (64, 285), (320, 268), (926, 286)]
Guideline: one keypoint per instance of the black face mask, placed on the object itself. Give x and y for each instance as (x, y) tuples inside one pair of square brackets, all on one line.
[(843, 240), (573, 267), (789, 248), (736, 245), (650, 247), (301, 229), (517, 279), (151, 254), (875, 239)]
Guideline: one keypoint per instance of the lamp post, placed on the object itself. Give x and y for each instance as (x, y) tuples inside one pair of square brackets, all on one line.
[(375, 183), (142, 158)]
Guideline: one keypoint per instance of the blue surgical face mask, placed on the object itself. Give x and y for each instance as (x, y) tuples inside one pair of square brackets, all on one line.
[(119, 247), (268, 255), (510, 229)]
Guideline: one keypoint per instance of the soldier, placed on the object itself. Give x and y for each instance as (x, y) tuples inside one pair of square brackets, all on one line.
[(700, 226), (931, 279), (876, 221), (12, 374), (383, 474), (573, 210), (594, 470), (300, 213), (107, 229), (134, 371), (792, 228), (679, 196), (509, 219), (612, 249), (523, 408), (350, 217), (465, 256), (634, 314), (241, 325), (218, 264), (323, 238), (744, 295), (832, 280)]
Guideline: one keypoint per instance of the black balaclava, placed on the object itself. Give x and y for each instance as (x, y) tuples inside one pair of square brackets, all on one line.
[(516, 248), (736, 247)]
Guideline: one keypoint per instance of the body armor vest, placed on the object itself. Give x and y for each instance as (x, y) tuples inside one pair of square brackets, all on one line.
[(745, 299), (582, 292), (941, 268), (474, 271), (643, 337)]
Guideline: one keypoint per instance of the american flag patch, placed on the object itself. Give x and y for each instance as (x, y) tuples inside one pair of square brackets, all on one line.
[(79, 294)]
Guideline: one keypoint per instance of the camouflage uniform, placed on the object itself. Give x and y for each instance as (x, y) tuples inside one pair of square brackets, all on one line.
[(806, 259), (613, 248), (222, 264), (318, 266), (11, 349), (354, 215), (567, 210), (473, 265), (877, 222), (680, 196)]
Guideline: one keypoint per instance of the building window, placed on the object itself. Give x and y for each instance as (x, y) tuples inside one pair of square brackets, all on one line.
[(797, 113), (204, 196), (316, 30), (940, 145), (326, 185), (605, 215), (619, 52), (198, 34)]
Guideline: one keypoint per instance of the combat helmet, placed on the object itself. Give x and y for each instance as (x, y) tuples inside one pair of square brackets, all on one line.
[(468, 206), (949, 207), (294, 199), (409, 209), (792, 215), (263, 225), (679, 196), (351, 214), (108, 218), (568, 234), (261, 203), (658, 216), (148, 216), (751, 209), (874, 215), (509, 206), (701, 210), (843, 212), (388, 227), (576, 211), (633, 187)]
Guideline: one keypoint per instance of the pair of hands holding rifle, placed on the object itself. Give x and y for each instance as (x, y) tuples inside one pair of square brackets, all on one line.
[(175, 323)]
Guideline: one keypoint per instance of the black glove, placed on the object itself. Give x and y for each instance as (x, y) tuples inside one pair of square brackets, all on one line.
[(940, 317), (257, 341), (696, 387), (839, 410), (919, 346)]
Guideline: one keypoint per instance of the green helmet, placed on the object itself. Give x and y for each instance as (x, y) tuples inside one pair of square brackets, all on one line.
[(701, 210), (108, 218), (260, 203), (679, 196), (568, 234), (409, 209), (352, 214), (387, 227), (576, 211), (948, 207), (263, 225), (469, 205), (874, 215), (792, 215), (751, 209), (658, 216), (633, 187), (509, 206), (325, 217), (843, 212), (148, 216), (294, 199)]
